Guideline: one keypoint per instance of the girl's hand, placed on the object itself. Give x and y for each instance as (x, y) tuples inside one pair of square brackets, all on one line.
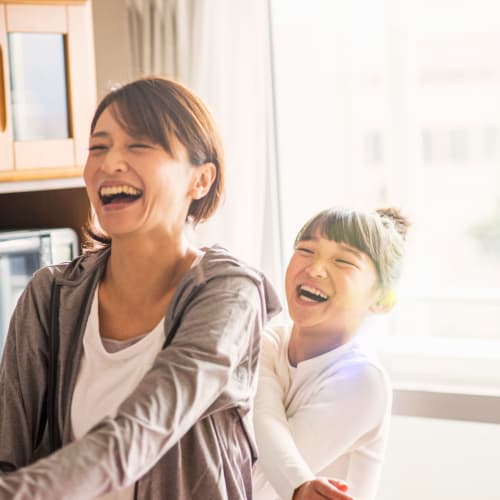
[(321, 488)]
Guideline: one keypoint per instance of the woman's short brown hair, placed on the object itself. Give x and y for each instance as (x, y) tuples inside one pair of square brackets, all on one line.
[(165, 111)]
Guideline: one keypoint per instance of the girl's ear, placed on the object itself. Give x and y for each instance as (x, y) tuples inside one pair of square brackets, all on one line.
[(203, 178), (385, 303)]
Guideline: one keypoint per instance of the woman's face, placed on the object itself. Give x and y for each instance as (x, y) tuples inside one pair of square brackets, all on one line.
[(330, 287), (134, 185)]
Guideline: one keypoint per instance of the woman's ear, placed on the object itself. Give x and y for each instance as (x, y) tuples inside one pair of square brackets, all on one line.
[(204, 177), (385, 303)]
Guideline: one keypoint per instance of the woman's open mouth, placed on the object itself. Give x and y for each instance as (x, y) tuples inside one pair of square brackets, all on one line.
[(119, 194)]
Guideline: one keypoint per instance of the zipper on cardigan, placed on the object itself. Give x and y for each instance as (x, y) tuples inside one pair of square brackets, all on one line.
[(6, 467), (53, 430)]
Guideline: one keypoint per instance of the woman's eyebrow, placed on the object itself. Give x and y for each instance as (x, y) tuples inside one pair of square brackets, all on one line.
[(99, 133)]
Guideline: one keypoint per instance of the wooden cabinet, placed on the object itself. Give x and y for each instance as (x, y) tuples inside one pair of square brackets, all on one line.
[(47, 88), (44, 209)]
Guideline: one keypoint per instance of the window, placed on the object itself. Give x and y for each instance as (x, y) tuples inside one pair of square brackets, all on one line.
[(490, 144), (459, 150), (411, 88), (373, 148), (427, 147)]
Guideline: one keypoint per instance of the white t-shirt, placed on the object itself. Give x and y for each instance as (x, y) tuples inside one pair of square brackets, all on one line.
[(107, 376), (328, 416)]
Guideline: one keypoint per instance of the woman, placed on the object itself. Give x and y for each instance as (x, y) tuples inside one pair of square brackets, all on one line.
[(156, 341), (323, 404)]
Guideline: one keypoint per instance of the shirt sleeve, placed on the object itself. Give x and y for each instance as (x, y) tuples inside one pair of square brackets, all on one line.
[(188, 380), (347, 406), (280, 461)]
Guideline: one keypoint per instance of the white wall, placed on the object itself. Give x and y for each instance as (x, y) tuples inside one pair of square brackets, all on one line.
[(441, 460), (112, 44)]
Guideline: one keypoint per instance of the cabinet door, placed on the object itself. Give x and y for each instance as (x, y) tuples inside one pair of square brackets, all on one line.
[(51, 84), (6, 145)]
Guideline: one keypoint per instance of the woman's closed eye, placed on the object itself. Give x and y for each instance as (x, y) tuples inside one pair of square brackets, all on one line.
[(140, 145), (97, 147)]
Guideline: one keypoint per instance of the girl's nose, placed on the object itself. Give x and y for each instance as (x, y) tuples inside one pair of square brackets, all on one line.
[(316, 269)]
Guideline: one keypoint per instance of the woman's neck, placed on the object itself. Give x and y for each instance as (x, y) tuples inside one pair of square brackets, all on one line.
[(147, 270)]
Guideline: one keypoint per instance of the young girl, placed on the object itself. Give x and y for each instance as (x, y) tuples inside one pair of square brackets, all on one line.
[(141, 382), (323, 404)]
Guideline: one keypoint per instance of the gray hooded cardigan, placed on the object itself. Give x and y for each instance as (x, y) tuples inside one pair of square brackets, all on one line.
[(184, 433)]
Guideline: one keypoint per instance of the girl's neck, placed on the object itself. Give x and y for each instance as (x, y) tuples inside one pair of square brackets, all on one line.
[(308, 343)]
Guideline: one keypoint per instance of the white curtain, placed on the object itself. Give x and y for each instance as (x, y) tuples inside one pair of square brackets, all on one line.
[(221, 49)]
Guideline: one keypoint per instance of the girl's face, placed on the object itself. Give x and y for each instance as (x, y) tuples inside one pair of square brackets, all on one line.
[(330, 287), (133, 184)]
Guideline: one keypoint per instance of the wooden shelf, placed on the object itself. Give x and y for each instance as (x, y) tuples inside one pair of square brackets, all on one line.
[(47, 2), (39, 174), (45, 209)]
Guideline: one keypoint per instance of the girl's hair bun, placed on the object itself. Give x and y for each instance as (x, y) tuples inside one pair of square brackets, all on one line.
[(401, 223)]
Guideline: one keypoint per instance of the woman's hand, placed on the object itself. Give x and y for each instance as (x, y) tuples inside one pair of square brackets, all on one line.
[(321, 488)]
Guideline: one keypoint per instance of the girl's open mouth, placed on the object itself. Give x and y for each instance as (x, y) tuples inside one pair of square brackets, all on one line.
[(311, 294)]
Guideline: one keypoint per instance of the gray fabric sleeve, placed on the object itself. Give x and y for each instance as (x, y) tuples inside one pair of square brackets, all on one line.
[(23, 373), (187, 380)]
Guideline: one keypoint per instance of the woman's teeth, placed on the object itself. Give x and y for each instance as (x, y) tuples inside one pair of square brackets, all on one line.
[(111, 190), (124, 193)]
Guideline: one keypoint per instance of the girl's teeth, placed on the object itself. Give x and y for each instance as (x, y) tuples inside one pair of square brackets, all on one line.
[(314, 291), (307, 299)]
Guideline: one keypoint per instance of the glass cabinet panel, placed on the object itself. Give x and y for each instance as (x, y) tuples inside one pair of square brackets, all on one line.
[(38, 86), (15, 272)]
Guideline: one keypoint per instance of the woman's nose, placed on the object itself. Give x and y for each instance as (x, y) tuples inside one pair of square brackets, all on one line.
[(114, 162)]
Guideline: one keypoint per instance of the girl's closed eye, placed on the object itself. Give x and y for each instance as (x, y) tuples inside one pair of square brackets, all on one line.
[(304, 250), (346, 262)]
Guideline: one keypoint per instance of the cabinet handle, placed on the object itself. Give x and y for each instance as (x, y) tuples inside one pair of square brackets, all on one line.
[(3, 104)]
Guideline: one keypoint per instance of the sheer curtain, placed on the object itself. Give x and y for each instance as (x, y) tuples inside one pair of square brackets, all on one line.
[(222, 50)]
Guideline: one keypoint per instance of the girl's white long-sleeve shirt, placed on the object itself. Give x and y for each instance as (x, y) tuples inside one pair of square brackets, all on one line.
[(329, 416)]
